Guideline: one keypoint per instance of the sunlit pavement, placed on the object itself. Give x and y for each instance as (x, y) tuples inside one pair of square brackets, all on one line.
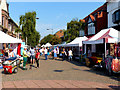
[(55, 84), (59, 74)]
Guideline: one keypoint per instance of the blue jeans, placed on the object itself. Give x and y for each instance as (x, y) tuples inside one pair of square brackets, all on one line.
[(45, 56), (70, 57)]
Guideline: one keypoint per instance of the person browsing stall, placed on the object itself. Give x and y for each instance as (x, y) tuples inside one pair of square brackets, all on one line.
[(25, 58)]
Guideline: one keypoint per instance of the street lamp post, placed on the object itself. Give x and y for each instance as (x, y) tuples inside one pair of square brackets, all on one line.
[(51, 30)]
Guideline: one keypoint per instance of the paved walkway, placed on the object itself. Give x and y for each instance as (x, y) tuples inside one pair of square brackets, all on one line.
[(55, 84), (59, 74)]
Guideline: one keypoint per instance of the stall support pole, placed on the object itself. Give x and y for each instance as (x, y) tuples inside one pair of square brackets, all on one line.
[(85, 48), (79, 53), (105, 48)]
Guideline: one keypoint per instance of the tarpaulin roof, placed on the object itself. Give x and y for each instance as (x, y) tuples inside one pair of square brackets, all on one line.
[(77, 41), (110, 35), (48, 45), (4, 38)]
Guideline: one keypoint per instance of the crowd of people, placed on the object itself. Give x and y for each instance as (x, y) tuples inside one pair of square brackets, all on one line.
[(56, 53), (32, 55)]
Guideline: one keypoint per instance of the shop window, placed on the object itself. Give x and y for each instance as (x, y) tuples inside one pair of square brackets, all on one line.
[(6, 22), (116, 16), (2, 20), (81, 33), (91, 29)]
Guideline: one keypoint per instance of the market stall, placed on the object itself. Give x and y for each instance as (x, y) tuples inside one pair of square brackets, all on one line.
[(101, 44), (105, 37), (76, 46), (9, 42), (47, 45), (43, 45)]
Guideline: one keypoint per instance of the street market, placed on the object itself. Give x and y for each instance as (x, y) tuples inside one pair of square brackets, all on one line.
[(60, 45)]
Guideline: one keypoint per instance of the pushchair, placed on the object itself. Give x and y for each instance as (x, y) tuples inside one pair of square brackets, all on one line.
[(11, 66)]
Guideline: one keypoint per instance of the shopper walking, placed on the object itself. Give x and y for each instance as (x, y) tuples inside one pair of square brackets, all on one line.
[(58, 52), (32, 51), (37, 57), (50, 52), (63, 54), (55, 53), (25, 58), (70, 55), (46, 52), (29, 54)]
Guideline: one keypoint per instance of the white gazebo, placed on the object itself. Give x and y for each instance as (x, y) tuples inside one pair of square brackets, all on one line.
[(105, 36), (4, 38), (48, 45), (43, 45), (77, 42)]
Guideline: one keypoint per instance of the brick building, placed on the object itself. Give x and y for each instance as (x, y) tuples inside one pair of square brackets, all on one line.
[(59, 34), (96, 21), (7, 25)]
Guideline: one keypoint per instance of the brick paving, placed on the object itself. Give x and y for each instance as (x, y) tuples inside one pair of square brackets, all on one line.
[(54, 84), (59, 74)]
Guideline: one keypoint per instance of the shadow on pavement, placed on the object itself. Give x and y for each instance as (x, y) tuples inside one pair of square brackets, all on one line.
[(103, 73), (115, 87), (58, 70), (96, 71), (75, 63), (76, 69)]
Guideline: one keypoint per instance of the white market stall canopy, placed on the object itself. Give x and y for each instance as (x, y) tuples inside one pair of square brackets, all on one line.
[(110, 35), (77, 41), (43, 45), (4, 38), (47, 45), (60, 45)]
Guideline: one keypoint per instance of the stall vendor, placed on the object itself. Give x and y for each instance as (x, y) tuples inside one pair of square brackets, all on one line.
[(89, 52), (25, 58), (11, 55)]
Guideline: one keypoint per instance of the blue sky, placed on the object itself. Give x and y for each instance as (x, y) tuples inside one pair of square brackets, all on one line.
[(53, 15)]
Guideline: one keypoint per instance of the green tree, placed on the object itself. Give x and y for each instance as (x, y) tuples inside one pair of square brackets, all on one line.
[(56, 40), (28, 23), (51, 39), (73, 29)]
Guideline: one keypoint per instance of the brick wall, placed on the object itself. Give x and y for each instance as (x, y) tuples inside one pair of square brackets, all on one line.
[(60, 34), (5, 15), (101, 21)]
